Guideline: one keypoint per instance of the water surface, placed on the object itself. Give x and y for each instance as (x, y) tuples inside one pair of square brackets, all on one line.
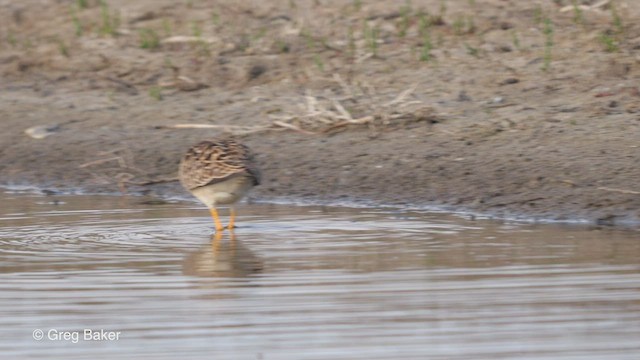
[(308, 283)]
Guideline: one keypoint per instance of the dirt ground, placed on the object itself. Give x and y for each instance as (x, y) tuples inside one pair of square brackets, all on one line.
[(500, 107)]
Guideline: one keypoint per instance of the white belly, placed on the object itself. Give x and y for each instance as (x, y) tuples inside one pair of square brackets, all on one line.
[(224, 193)]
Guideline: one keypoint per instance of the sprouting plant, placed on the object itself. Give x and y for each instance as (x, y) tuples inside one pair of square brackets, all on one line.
[(424, 23), (282, 46), (168, 63), (464, 25), (537, 14), (516, 40), (196, 29), (405, 15), (458, 25), (617, 20), (106, 17), (371, 37), (373, 43), (578, 17), (352, 43), (471, 50), (443, 9), (215, 18), (425, 33), (155, 92), (110, 22), (149, 39), (310, 41), (357, 5), (166, 27), (11, 38), (548, 44), (259, 34), (471, 25), (76, 22), (62, 48), (609, 42), (244, 43), (318, 61)]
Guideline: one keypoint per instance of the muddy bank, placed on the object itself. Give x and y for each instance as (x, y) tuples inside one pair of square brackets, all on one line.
[(466, 108)]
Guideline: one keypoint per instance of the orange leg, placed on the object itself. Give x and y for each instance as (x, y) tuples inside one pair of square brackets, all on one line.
[(232, 218), (216, 219)]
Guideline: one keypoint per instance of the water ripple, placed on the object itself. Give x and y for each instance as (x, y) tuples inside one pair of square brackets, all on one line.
[(310, 283)]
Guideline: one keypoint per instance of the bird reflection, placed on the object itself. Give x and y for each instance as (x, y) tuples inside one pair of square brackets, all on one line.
[(222, 258)]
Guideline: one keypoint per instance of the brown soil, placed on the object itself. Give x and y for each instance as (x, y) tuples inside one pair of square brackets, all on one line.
[(342, 100)]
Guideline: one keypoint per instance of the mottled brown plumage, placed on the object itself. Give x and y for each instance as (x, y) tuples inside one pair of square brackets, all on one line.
[(210, 162), (219, 172)]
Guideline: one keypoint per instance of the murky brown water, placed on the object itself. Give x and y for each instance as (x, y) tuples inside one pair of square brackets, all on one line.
[(308, 283)]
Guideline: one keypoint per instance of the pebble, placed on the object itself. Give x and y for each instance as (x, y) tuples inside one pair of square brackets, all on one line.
[(42, 131)]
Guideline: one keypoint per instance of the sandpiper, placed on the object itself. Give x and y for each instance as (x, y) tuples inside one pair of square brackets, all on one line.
[(219, 172)]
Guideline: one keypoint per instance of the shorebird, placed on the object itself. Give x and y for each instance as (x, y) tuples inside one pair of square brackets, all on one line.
[(219, 172)]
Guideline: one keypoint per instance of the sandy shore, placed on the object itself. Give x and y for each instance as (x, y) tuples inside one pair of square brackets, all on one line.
[(459, 107)]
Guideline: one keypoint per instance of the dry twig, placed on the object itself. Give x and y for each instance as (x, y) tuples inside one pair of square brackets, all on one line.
[(622, 191), (323, 115)]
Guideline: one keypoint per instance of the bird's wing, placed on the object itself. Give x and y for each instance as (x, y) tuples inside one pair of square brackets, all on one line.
[(210, 162)]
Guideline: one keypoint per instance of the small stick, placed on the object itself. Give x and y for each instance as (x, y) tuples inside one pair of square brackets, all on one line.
[(196, 126), (342, 110), (100, 161), (623, 191), (180, 39), (292, 127), (335, 126), (363, 58), (211, 126), (363, 120), (402, 95), (571, 7), (600, 4)]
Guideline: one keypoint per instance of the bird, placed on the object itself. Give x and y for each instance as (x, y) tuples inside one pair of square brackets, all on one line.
[(219, 172)]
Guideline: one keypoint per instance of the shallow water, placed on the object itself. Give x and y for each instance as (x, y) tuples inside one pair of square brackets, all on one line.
[(308, 283)]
